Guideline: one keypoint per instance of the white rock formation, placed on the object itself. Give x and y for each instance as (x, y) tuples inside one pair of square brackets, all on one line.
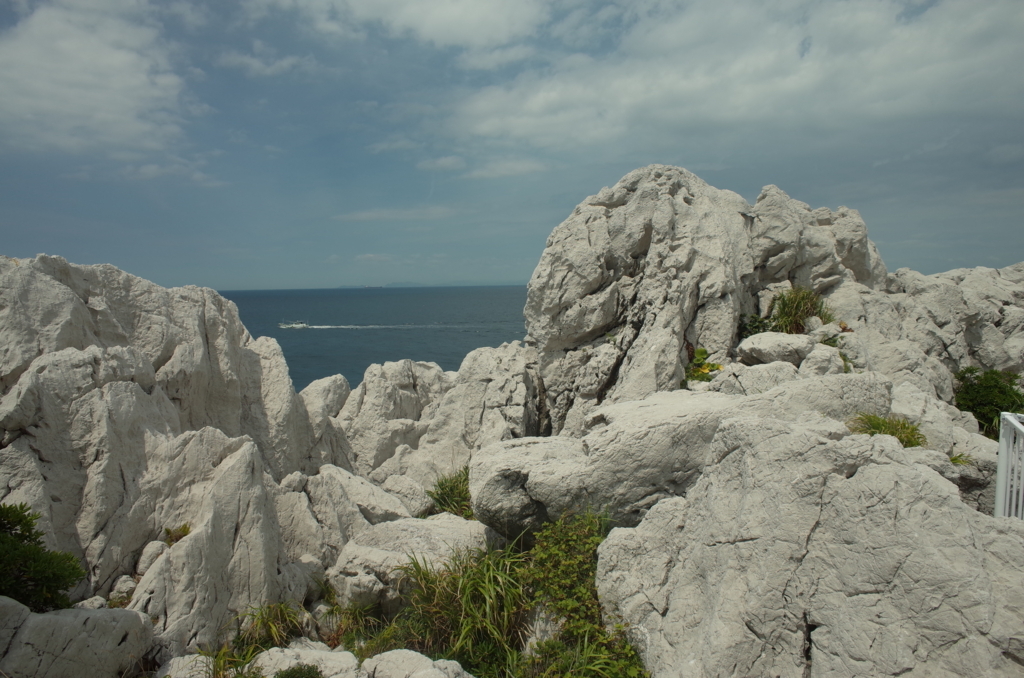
[(409, 664), (797, 555), (71, 643), (662, 262)]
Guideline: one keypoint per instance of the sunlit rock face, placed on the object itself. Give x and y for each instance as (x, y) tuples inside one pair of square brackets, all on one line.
[(661, 263)]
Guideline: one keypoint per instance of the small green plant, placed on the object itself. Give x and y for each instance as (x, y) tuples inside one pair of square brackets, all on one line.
[(830, 341), (173, 536), (29, 573), (987, 394), (872, 424), (300, 671), (699, 368), (451, 494), (230, 662), (118, 600), (790, 310), (271, 625), (355, 627), (961, 459), (754, 324), (847, 363)]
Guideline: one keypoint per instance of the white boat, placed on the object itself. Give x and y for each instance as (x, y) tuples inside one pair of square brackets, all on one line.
[(295, 325)]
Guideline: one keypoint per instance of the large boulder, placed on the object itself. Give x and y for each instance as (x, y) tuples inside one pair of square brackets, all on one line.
[(72, 643), (797, 555)]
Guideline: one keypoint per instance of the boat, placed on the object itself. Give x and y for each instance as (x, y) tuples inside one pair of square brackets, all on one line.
[(294, 325)]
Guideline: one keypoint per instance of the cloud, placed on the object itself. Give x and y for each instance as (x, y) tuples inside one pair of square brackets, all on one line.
[(426, 213), (373, 257), (173, 166), (475, 24), (709, 64), (509, 167), (394, 144), (447, 163), (263, 62), (80, 76)]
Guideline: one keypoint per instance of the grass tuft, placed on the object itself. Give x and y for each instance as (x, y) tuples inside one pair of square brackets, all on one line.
[(173, 536), (271, 625), (961, 459), (451, 494), (790, 310), (872, 424)]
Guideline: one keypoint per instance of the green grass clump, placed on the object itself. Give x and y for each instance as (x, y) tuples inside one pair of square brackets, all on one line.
[(961, 459), (908, 434), (173, 536), (451, 494), (267, 626), (300, 671), (231, 662), (29, 573), (987, 394), (790, 310)]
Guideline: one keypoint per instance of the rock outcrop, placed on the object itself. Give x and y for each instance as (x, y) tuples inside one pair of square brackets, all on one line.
[(662, 263)]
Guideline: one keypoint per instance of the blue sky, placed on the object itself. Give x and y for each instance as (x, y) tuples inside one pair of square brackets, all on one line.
[(261, 144)]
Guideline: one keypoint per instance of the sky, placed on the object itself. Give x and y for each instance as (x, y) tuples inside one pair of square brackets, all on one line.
[(270, 144)]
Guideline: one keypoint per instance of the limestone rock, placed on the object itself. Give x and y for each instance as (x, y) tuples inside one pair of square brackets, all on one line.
[(186, 666), (71, 643), (739, 379), (770, 347), (150, 553), (331, 664), (410, 493), (664, 441), (365, 573), (409, 664), (788, 550), (494, 396), (389, 408)]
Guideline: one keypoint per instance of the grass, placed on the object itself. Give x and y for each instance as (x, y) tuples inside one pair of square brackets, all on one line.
[(451, 494), (173, 536), (300, 671), (474, 608), (230, 662), (271, 625), (872, 424), (790, 310), (987, 394), (961, 459)]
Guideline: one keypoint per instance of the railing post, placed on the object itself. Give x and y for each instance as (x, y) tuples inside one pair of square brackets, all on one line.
[(1010, 467)]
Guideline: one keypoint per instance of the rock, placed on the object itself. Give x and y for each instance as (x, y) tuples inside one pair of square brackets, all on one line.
[(739, 379), (150, 553), (770, 347), (124, 587), (375, 504), (410, 493), (331, 664), (822, 360), (71, 643), (94, 603), (664, 441), (784, 555), (386, 409), (493, 397), (409, 664), (186, 666), (365, 573)]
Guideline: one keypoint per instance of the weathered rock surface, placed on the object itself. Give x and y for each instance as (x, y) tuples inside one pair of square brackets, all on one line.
[(331, 664), (662, 262), (409, 664), (71, 643), (797, 555)]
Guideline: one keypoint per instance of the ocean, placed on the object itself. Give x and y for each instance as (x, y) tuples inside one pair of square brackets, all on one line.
[(350, 329)]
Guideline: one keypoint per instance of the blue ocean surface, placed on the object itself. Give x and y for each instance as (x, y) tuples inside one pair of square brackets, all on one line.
[(352, 328)]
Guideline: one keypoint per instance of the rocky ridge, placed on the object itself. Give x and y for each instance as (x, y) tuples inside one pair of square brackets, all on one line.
[(756, 534)]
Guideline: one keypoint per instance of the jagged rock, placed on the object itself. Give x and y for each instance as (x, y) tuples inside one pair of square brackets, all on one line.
[(186, 666), (150, 553), (409, 664), (822, 360), (664, 441), (94, 603), (124, 586), (389, 408), (71, 643), (366, 571), (770, 347), (494, 396), (796, 555), (331, 664), (739, 379), (410, 493)]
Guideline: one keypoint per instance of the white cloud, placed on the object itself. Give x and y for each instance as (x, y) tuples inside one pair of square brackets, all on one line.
[(263, 62), (426, 213), (394, 144), (489, 59), (85, 75), (709, 64), (444, 23), (447, 163), (508, 167)]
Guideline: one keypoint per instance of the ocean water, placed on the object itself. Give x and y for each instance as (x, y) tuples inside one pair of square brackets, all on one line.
[(353, 328)]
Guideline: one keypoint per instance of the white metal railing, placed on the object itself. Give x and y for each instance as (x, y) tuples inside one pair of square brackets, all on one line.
[(1010, 470)]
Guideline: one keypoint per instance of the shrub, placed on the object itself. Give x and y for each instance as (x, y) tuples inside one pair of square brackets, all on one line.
[(451, 494), (355, 627), (300, 671), (898, 427), (790, 310), (271, 625), (986, 394), (172, 537), (229, 662), (30, 574), (699, 368), (754, 324)]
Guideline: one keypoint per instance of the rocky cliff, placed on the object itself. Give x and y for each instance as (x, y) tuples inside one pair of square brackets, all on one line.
[(757, 535)]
